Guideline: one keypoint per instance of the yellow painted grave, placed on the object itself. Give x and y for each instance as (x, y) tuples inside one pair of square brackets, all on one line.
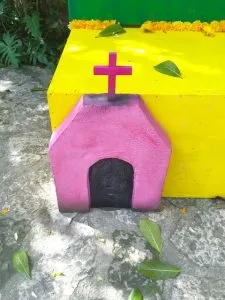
[(191, 110)]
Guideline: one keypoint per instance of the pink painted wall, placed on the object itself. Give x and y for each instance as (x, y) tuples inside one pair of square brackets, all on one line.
[(102, 130)]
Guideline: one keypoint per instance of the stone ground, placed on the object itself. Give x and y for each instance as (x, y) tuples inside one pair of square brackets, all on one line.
[(97, 252)]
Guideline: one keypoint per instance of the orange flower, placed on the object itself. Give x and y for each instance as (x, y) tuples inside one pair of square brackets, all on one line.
[(178, 26), (4, 212), (198, 26), (215, 25), (149, 26), (184, 211), (187, 26), (90, 24), (222, 26), (208, 30)]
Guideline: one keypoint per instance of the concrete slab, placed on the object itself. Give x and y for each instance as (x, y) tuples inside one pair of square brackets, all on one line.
[(97, 252)]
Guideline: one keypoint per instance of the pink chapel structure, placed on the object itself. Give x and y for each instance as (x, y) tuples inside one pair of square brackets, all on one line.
[(109, 151)]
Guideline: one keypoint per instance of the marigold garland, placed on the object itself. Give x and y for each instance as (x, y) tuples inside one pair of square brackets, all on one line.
[(90, 24), (208, 28)]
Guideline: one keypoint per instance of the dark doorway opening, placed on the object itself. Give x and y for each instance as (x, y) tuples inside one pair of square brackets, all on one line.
[(111, 183)]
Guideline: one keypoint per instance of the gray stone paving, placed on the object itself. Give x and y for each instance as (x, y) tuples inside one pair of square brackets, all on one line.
[(97, 252)]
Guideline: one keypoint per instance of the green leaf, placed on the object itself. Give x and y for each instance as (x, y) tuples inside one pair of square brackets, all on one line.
[(158, 270), (42, 58), (1, 8), (33, 25), (100, 239), (51, 66), (20, 263), (151, 231), (33, 50), (135, 295), (169, 68), (112, 30), (54, 275), (10, 50)]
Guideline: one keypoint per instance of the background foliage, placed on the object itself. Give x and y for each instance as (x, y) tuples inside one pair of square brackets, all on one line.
[(32, 32)]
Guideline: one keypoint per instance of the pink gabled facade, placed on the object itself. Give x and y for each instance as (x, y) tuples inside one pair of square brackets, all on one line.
[(100, 129)]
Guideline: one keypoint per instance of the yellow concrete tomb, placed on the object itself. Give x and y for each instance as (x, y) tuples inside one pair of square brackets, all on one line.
[(191, 110)]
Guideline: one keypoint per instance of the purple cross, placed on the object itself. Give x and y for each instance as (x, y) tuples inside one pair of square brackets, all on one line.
[(112, 70)]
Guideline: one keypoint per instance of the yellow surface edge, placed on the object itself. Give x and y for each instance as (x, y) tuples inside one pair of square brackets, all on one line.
[(192, 110)]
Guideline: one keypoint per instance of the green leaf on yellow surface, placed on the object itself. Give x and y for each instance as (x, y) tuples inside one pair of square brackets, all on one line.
[(112, 30), (168, 68)]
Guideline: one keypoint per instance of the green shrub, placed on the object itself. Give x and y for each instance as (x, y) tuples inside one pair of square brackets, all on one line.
[(32, 32)]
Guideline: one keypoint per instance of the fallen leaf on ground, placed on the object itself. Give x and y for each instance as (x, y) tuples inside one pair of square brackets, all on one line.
[(151, 232), (135, 295), (4, 211), (33, 294), (57, 274), (100, 278), (101, 240), (184, 211), (21, 264), (158, 270), (16, 236), (37, 89)]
